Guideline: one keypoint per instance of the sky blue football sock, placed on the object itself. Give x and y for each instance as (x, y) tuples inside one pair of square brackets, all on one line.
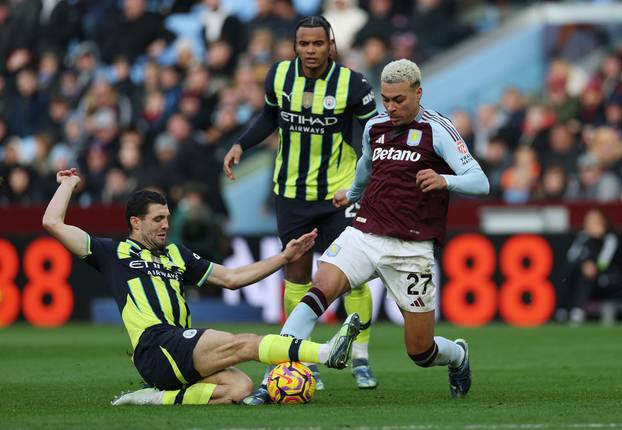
[(300, 322)]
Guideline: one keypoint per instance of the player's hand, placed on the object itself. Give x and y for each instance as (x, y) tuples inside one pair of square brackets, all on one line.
[(232, 157), (69, 175), (296, 248), (340, 199), (429, 180)]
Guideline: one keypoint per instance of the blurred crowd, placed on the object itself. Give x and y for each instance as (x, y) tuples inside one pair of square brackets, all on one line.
[(145, 93), (562, 144)]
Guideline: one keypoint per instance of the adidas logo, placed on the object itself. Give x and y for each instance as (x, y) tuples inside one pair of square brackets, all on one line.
[(418, 303)]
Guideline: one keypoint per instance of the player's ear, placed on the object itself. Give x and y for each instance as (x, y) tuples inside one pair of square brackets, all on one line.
[(333, 48), (135, 222)]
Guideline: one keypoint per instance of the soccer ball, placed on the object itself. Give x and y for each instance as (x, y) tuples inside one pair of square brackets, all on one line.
[(291, 383)]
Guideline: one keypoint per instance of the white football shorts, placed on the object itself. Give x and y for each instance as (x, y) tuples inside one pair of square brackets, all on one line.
[(406, 267)]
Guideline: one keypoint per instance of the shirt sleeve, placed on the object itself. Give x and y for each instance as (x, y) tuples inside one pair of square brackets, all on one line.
[(98, 252), (469, 177), (362, 98), (270, 98), (198, 269), (363, 169)]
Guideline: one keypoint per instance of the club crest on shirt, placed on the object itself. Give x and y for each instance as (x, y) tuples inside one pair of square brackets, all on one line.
[(414, 137), (461, 147), (333, 250), (189, 334), (307, 100), (329, 102)]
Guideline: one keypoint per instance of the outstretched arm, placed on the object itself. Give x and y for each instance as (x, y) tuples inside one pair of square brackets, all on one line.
[(73, 238), (239, 277)]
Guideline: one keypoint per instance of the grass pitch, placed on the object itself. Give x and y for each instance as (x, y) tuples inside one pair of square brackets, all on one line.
[(545, 378)]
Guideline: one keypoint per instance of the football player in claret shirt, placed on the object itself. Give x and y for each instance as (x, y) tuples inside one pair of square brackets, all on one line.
[(312, 101), (147, 276), (412, 157)]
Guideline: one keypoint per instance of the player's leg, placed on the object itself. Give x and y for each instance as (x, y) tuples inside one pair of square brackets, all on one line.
[(227, 386), (407, 269), (427, 350), (358, 301), (297, 284), (293, 218), (218, 350)]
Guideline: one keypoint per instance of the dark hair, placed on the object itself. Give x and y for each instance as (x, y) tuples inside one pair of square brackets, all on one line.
[(138, 204), (315, 21)]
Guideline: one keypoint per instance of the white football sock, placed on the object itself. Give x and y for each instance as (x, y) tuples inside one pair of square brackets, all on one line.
[(449, 352)]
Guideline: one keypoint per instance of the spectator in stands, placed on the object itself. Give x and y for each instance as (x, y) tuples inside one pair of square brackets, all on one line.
[(130, 158), (197, 226), (513, 111), (613, 113), (610, 75), (60, 23), (487, 124), (375, 57), (592, 108), (495, 162), (48, 71), (462, 121), (520, 179), (97, 165), (28, 105), (593, 268), (284, 10), (267, 19), (606, 146), (152, 117), (120, 77), (557, 95), (220, 24), (591, 183), (382, 23), (18, 32), (553, 184), (21, 187), (350, 18), (85, 62), (116, 188), (561, 148), (133, 32), (435, 24), (57, 115), (538, 122), (165, 173)]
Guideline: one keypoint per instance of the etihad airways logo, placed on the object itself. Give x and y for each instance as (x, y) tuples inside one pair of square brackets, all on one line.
[(308, 124), (395, 154)]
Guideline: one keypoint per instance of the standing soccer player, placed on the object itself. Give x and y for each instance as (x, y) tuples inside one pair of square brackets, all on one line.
[(312, 101), (147, 276), (412, 157)]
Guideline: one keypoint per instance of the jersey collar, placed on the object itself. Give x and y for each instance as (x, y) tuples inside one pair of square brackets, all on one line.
[(139, 247), (325, 75)]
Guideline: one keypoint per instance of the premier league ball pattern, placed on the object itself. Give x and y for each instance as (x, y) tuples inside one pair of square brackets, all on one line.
[(291, 383)]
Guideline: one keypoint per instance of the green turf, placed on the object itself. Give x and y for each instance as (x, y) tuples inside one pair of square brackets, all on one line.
[(545, 378)]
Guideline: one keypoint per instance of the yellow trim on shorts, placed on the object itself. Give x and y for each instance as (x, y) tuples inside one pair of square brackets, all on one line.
[(176, 370)]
